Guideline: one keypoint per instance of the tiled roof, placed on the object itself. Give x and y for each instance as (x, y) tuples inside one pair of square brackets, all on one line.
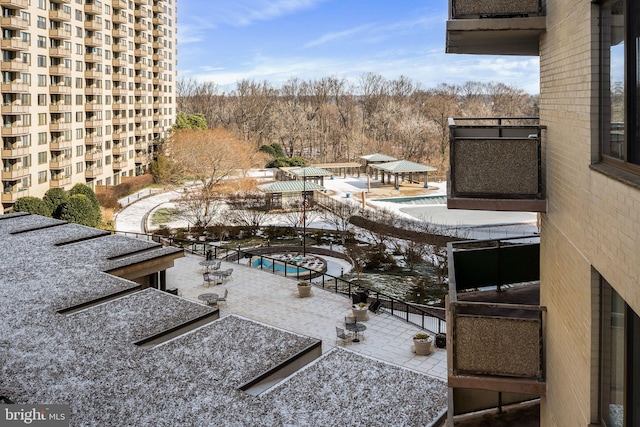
[(377, 157)]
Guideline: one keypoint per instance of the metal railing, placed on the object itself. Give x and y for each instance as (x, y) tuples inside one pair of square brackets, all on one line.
[(406, 311)]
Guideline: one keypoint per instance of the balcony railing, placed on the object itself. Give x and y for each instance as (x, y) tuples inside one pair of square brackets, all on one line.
[(495, 27), (496, 164), (495, 336)]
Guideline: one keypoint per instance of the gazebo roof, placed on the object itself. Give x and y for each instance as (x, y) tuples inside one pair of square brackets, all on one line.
[(377, 157), (310, 172), (404, 166), (289, 187)]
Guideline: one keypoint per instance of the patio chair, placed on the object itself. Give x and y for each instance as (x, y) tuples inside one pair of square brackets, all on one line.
[(207, 279), (224, 297), (342, 335), (227, 274)]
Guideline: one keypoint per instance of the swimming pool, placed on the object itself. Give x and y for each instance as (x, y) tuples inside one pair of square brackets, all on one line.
[(417, 200), (280, 267)]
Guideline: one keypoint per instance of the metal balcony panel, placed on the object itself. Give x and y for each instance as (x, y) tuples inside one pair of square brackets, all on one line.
[(495, 164)]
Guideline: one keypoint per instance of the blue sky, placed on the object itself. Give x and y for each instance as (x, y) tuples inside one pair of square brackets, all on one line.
[(225, 41)]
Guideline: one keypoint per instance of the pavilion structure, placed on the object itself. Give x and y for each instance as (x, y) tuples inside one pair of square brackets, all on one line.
[(373, 159), (401, 170), (279, 190)]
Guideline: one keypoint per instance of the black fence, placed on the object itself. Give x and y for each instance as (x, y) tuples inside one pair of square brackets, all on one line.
[(406, 311)]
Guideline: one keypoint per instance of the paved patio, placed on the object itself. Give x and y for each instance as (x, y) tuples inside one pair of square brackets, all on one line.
[(274, 300)]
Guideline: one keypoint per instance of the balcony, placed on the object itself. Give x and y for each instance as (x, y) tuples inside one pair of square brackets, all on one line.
[(119, 19), (119, 92), (14, 152), (59, 70), (59, 90), (495, 339), (119, 4), (119, 33), (15, 109), (13, 23), (92, 156), (141, 158), (59, 108), (93, 123), (119, 150), (93, 57), (119, 164), (119, 62), (92, 74), (92, 173), (14, 88), (59, 52), (496, 164), (119, 121), (10, 130), (141, 146), (59, 181), (119, 77), (92, 25), (14, 65), (59, 15), (92, 139), (92, 90), (14, 4), (10, 196), (14, 43), (493, 27), (92, 41), (93, 106), (60, 163), (92, 9), (14, 173), (59, 126), (140, 79), (59, 33), (59, 145)]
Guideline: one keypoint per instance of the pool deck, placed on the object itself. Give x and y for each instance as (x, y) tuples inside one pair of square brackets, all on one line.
[(273, 300)]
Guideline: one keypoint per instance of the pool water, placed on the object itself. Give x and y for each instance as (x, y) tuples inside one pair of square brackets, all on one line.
[(267, 264)]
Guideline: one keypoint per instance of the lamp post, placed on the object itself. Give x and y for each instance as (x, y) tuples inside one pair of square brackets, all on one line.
[(304, 212)]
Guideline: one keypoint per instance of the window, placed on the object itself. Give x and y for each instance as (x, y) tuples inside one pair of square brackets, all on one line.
[(620, 361), (42, 22), (42, 41), (42, 158), (79, 166), (42, 176), (79, 151), (42, 79), (42, 118), (620, 113), (42, 138), (42, 61), (42, 99)]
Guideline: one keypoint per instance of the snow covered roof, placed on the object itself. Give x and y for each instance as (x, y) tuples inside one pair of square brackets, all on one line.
[(310, 172), (289, 187), (88, 358), (404, 166), (377, 157)]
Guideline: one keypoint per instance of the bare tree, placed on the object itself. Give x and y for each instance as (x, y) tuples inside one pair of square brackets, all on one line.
[(339, 215), (247, 209), (197, 210)]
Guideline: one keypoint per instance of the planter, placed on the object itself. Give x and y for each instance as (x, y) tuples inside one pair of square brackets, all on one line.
[(304, 291), (422, 347), (360, 313)]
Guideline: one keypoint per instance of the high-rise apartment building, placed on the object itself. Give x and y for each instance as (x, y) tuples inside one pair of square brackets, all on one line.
[(88, 88), (575, 342)]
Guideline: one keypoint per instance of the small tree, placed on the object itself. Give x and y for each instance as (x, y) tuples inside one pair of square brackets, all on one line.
[(55, 198), (87, 191), (80, 210), (248, 210), (189, 121), (32, 205)]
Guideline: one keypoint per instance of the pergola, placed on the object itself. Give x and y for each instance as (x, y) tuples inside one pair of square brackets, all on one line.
[(275, 191), (402, 168)]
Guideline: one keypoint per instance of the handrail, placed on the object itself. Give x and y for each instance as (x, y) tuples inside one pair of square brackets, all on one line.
[(398, 308)]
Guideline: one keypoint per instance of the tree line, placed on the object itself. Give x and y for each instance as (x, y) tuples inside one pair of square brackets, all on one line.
[(333, 120)]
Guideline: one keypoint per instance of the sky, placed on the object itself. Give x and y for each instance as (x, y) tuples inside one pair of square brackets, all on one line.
[(225, 41)]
